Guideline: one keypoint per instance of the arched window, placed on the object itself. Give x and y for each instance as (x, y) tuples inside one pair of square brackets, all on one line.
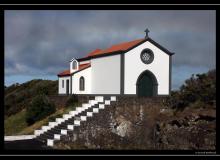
[(82, 83), (62, 83), (74, 65)]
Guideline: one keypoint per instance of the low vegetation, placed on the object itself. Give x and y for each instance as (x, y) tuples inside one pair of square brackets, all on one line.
[(39, 108), (198, 91), (19, 96), (27, 106), (16, 124)]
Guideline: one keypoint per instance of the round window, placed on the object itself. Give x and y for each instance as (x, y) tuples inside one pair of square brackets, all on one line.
[(147, 56)]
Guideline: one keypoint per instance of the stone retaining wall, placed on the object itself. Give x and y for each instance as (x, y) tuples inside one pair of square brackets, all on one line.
[(144, 123), (127, 123)]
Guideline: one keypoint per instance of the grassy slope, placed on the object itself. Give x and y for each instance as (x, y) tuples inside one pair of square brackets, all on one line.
[(18, 97), (16, 125)]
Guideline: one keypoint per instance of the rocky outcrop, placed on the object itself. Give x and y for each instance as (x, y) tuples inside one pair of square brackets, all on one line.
[(191, 129), (144, 123)]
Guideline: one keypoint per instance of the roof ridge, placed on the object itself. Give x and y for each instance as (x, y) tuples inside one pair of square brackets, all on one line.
[(128, 42), (115, 47)]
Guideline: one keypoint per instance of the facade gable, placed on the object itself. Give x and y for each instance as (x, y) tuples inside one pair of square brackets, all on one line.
[(159, 67)]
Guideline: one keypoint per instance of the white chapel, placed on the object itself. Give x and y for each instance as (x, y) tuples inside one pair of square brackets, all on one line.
[(140, 67)]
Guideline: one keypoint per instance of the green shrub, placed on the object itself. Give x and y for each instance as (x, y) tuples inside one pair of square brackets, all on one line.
[(18, 96), (71, 100), (198, 91), (39, 108)]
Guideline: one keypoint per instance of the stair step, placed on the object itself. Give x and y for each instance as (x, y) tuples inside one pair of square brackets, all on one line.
[(58, 129), (48, 133), (70, 127), (46, 136), (99, 98), (77, 122), (55, 131), (61, 126), (45, 128), (113, 98), (77, 118), (57, 136), (38, 132), (50, 142), (60, 120), (79, 109), (89, 114), (41, 139), (93, 102), (69, 122), (83, 118), (73, 113), (87, 105), (95, 110), (53, 124), (107, 102), (101, 106), (82, 113), (64, 131), (67, 116)]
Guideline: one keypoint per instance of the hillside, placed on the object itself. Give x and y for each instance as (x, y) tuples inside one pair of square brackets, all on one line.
[(18, 96)]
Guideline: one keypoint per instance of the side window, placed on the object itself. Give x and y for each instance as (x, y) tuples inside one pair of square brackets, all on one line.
[(62, 83), (74, 65), (81, 84)]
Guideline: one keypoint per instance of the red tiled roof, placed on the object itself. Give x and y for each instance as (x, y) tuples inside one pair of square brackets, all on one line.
[(118, 47), (94, 52), (83, 66), (64, 73), (67, 72)]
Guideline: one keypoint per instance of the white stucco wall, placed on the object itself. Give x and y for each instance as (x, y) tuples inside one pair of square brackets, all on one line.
[(106, 75), (134, 67), (86, 73), (62, 90)]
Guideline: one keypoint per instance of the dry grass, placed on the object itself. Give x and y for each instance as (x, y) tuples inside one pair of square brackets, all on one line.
[(16, 125)]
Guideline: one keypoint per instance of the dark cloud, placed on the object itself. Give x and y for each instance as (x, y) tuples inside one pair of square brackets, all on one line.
[(42, 42)]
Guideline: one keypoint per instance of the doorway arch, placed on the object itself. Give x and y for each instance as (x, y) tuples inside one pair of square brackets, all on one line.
[(146, 85)]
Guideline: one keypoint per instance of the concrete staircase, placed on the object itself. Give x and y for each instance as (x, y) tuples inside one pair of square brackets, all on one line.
[(69, 122)]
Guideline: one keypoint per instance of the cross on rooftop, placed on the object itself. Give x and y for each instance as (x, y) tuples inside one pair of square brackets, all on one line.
[(146, 31)]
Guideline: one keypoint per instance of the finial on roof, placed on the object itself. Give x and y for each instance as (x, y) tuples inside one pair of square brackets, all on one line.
[(146, 31)]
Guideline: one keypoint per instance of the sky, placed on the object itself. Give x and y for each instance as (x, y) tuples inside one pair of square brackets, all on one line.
[(40, 43)]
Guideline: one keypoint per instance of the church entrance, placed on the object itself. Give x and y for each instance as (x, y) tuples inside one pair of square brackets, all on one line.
[(146, 84)]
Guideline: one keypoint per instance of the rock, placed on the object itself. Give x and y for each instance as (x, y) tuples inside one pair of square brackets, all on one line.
[(124, 129)]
